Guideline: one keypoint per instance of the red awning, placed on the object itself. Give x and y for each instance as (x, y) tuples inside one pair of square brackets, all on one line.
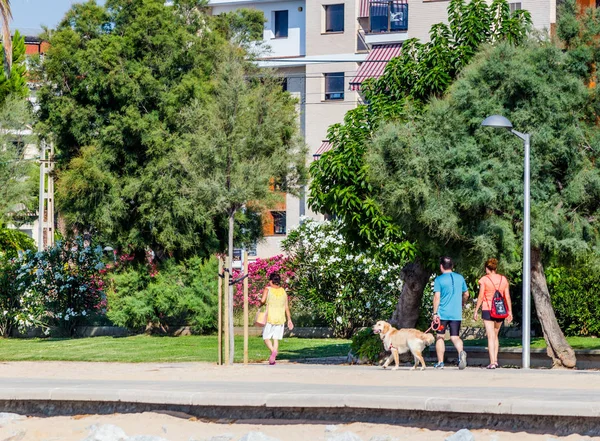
[(375, 63), (325, 147)]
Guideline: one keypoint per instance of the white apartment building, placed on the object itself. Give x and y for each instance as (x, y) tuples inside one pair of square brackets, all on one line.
[(325, 49)]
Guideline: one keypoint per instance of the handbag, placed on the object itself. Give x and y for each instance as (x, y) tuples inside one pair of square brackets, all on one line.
[(498, 308), (261, 317)]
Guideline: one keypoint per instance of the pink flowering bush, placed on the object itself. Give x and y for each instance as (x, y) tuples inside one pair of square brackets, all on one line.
[(258, 278)]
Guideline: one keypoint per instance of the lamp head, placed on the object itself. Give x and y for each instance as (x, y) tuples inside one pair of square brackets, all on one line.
[(497, 121)]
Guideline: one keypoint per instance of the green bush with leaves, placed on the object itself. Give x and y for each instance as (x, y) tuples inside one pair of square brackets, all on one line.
[(367, 346), (67, 279), (179, 294), (575, 295), (59, 286), (16, 307), (13, 242)]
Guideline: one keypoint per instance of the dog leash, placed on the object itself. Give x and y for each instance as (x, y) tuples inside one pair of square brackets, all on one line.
[(435, 324)]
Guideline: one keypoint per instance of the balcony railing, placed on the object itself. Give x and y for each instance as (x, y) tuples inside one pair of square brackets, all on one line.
[(388, 16)]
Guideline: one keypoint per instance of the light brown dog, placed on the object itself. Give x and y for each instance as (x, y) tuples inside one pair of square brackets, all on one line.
[(400, 341)]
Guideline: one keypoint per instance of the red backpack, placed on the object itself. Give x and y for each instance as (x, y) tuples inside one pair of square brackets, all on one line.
[(498, 309)]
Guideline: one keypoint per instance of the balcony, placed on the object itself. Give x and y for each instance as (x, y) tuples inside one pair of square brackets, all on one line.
[(384, 21)]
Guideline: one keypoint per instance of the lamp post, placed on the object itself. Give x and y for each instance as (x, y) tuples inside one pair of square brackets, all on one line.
[(498, 121)]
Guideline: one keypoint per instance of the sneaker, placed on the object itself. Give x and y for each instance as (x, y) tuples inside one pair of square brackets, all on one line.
[(439, 365), (462, 360)]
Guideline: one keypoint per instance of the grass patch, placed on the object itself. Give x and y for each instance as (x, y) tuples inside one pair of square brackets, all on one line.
[(538, 342), (143, 348)]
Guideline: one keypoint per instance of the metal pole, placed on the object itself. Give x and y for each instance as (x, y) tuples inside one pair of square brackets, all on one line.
[(230, 293), (50, 197), (245, 273), (41, 196), (526, 328), (220, 317)]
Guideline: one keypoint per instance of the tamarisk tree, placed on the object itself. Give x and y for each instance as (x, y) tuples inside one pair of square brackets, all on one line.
[(241, 144), (339, 184), (458, 188)]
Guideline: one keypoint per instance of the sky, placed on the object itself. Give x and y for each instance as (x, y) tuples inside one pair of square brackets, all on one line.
[(31, 14)]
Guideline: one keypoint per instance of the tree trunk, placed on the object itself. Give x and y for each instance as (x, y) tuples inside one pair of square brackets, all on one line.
[(230, 288), (415, 278), (558, 349)]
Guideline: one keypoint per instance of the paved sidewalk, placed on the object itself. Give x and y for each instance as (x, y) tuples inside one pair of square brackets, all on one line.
[(474, 390)]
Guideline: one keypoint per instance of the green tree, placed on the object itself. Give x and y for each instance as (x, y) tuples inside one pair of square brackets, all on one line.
[(119, 79), (423, 70), (458, 187), (15, 189), (14, 82), (238, 142)]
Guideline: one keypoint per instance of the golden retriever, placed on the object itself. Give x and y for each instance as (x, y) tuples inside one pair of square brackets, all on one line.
[(400, 341)]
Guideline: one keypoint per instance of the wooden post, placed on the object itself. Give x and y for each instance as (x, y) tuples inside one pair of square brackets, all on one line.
[(245, 257), (226, 296), (220, 319)]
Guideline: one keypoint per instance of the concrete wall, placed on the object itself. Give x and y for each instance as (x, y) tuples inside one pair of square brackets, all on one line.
[(543, 13), (318, 42), (296, 86), (294, 44), (320, 114), (422, 14)]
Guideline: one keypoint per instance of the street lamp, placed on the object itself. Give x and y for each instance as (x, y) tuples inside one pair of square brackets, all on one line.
[(498, 121)]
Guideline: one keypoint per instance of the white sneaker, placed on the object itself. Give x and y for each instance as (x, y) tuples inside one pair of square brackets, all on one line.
[(462, 360)]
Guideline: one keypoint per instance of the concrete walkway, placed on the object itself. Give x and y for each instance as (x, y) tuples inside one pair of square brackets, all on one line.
[(287, 385)]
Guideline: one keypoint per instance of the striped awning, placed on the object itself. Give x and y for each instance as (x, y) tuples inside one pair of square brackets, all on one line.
[(325, 147), (364, 8), (375, 63)]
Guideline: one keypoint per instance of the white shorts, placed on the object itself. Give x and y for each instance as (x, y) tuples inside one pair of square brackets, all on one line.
[(273, 331)]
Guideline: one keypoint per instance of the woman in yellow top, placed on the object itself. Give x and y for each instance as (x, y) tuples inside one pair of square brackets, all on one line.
[(488, 285), (275, 297)]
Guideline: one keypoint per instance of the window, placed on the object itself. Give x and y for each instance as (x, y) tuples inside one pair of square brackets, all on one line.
[(252, 250), (514, 7), (281, 24), (334, 18), (388, 16), (334, 86), (284, 84), (278, 222)]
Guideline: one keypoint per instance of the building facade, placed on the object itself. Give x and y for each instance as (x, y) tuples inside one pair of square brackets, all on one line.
[(325, 49), (34, 46)]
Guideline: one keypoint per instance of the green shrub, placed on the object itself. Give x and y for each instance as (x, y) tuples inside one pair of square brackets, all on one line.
[(61, 285), (12, 242), (367, 346), (179, 294), (575, 295), (13, 304)]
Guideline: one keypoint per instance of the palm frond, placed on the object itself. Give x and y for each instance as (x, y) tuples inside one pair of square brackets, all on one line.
[(6, 17)]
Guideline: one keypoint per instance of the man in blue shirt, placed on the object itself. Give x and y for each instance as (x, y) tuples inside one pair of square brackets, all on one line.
[(450, 295)]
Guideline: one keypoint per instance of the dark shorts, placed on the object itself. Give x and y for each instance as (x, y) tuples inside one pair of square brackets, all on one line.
[(452, 325), (486, 316)]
